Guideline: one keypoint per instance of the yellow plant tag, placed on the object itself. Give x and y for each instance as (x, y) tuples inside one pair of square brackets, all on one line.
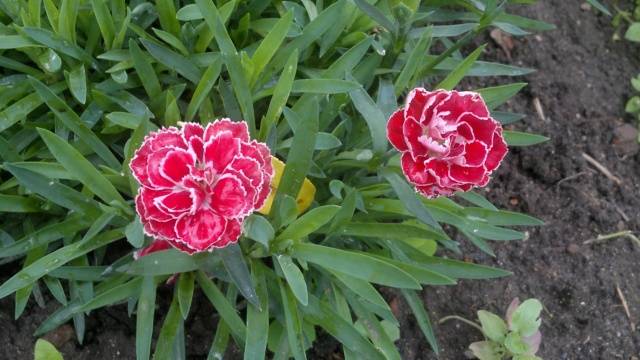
[(305, 196)]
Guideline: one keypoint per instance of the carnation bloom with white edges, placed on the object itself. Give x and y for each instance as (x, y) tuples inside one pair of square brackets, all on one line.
[(448, 140), (199, 183)]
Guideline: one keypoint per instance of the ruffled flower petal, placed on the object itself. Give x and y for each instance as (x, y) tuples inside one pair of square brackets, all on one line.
[(230, 197), (394, 130), (219, 151), (201, 229), (238, 130)]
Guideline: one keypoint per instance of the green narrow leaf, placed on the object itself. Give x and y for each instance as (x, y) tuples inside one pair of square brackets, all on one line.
[(454, 77), (171, 40), (456, 269), (238, 76), (389, 231), (185, 292), (294, 278), (169, 331), (415, 59), (221, 339), (313, 31), (53, 191), (502, 217), (80, 167), (18, 204), (257, 320), (270, 44), (54, 42), (374, 328), (167, 14), (376, 121), (79, 273), (293, 324), (220, 342), (280, 95), (236, 266), (78, 84), (52, 14), (166, 262), (409, 198), (45, 235), (25, 288), (424, 276), (476, 199), (144, 318), (516, 138), (309, 222), (322, 314), (259, 229), (323, 86), (422, 317), (23, 107), (226, 310), (173, 61), (16, 42), (144, 70), (363, 289), (300, 154), (377, 15), (105, 21), (358, 265), (46, 263), (171, 112), (241, 89), (124, 26), (72, 121), (105, 295), (67, 22), (204, 87), (598, 5), (55, 288), (188, 13), (135, 233), (497, 95)]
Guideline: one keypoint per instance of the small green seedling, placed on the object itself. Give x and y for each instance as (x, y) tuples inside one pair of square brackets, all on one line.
[(633, 104), (517, 338), (632, 33), (45, 350)]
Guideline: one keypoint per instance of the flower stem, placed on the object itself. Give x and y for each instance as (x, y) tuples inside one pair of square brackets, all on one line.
[(460, 318)]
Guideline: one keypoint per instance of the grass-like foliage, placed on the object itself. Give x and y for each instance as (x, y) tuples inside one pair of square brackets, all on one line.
[(83, 81)]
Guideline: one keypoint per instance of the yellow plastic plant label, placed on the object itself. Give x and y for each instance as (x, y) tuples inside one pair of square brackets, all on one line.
[(305, 196)]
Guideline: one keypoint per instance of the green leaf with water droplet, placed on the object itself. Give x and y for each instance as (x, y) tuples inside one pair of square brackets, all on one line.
[(45, 264)]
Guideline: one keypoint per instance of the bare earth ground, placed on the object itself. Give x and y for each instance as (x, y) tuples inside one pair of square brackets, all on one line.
[(582, 83)]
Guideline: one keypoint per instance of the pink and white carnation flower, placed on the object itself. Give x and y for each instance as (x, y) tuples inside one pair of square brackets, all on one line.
[(448, 140), (198, 184)]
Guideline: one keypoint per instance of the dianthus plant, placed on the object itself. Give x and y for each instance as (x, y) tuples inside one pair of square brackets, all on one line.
[(284, 160)]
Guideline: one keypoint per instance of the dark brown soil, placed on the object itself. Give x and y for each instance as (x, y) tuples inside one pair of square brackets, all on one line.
[(582, 83)]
